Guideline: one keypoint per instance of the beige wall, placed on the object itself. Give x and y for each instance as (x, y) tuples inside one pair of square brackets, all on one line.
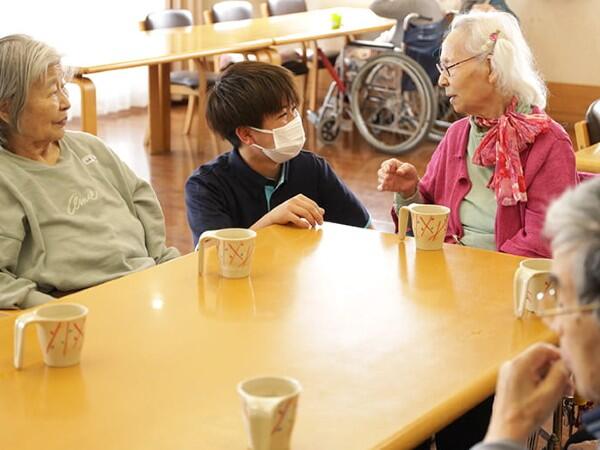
[(564, 36)]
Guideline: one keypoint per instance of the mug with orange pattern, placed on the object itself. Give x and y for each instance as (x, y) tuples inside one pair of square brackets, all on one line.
[(235, 247), (60, 330), (429, 224), (269, 411)]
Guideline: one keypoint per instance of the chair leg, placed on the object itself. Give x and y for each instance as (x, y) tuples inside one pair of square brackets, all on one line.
[(189, 114), (304, 92)]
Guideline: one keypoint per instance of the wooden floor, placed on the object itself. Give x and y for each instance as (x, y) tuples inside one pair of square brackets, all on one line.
[(351, 157)]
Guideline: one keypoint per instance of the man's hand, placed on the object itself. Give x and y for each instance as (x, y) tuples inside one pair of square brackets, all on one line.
[(299, 210), (529, 388), (396, 176)]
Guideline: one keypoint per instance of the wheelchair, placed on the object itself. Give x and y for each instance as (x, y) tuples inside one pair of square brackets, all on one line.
[(389, 92)]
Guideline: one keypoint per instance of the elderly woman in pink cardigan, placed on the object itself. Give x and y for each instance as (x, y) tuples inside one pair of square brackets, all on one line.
[(498, 168)]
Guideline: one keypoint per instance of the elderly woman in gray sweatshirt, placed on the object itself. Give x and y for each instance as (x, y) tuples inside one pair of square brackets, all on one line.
[(73, 214)]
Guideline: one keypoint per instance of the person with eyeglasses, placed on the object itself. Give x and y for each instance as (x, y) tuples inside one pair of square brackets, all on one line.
[(498, 168), (531, 385)]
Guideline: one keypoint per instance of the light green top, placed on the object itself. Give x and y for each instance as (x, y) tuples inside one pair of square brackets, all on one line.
[(477, 211), (85, 220)]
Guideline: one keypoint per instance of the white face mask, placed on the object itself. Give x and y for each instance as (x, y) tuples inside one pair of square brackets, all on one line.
[(288, 139)]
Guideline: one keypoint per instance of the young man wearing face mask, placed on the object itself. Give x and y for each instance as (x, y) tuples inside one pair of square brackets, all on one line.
[(266, 178)]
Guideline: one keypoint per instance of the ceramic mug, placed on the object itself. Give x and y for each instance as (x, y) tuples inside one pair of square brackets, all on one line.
[(531, 278), (269, 410), (235, 247), (429, 224), (60, 330)]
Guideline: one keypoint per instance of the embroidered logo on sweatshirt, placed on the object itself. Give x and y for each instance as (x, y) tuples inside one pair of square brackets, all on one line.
[(78, 200), (88, 159)]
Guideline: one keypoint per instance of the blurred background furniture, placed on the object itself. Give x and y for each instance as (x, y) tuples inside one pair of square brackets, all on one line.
[(587, 131), (183, 82)]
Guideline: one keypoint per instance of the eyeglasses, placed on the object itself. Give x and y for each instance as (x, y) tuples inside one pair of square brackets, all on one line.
[(547, 303), (445, 70)]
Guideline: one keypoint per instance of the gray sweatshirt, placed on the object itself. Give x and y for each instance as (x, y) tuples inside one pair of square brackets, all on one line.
[(85, 220)]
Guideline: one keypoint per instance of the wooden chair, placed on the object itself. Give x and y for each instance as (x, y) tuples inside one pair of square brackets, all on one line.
[(587, 131), (280, 7), (231, 10), (228, 11), (183, 82)]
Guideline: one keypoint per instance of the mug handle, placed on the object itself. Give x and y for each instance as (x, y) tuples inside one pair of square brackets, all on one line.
[(520, 294), (19, 336), (207, 239), (403, 221)]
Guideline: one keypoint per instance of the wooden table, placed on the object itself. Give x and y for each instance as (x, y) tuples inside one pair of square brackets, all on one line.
[(390, 344), (157, 49), (588, 159)]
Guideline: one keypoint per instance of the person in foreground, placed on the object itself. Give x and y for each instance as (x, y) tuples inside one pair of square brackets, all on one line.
[(267, 178), (530, 386), (73, 214), (498, 168)]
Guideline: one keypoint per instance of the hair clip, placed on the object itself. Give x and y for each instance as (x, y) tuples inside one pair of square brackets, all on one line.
[(491, 42)]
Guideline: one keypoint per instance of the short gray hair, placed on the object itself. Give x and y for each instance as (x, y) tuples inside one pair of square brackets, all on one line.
[(511, 60), (573, 226), (23, 61)]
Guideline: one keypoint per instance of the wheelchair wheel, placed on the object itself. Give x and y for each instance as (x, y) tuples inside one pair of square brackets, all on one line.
[(393, 103), (328, 129)]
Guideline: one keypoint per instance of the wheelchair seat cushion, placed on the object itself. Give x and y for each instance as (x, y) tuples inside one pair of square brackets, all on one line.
[(190, 79), (423, 43)]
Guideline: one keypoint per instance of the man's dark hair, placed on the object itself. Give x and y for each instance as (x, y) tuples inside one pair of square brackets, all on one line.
[(245, 94)]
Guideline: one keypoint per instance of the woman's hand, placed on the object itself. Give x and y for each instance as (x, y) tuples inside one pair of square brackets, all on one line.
[(396, 176), (529, 388)]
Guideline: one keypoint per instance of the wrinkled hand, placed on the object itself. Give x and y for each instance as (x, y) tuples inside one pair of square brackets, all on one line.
[(529, 388), (396, 176), (299, 210), (585, 445)]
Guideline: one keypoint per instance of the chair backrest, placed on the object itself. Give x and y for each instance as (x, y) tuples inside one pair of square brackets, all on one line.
[(169, 18), (592, 117), (231, 10), (279, 7)]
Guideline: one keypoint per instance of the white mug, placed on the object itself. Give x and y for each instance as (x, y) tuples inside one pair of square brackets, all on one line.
[(269, 410), (235, 247), (429, 224), (531, 278), (60, 330)]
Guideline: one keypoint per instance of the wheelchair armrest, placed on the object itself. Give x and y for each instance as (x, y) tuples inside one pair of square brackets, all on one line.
[(372, 44)]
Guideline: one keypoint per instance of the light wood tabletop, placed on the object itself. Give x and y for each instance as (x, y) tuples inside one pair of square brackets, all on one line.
[(389, 343), (158, 48), (588, 159)]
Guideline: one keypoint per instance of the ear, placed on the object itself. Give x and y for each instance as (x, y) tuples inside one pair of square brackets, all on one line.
[(244, 135), (493, 76)]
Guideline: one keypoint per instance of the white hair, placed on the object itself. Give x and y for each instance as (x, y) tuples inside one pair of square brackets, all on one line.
[(573, 226), (511, 57), (23, 61)]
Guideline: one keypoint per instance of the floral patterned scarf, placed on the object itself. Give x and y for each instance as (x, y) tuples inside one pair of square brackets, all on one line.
[(508, 135)]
